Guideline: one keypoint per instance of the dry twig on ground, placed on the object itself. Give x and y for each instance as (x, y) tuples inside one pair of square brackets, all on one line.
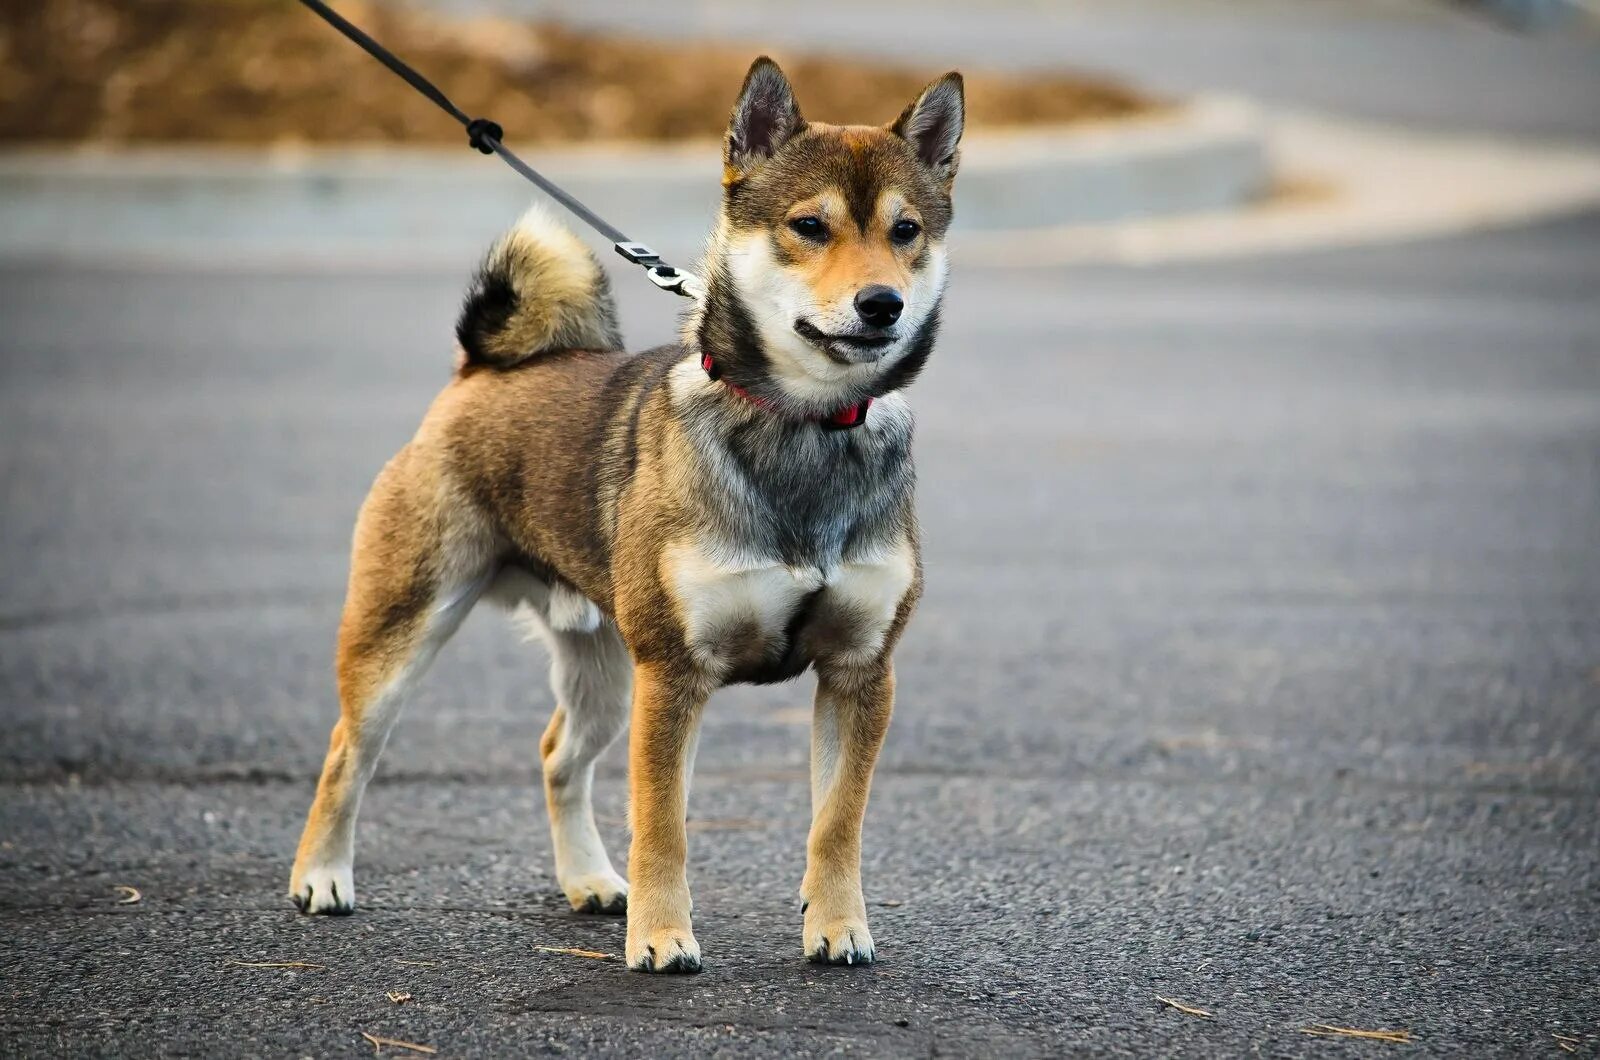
[(593, 955), (1188, 1009), (395, 1043), (1325, 1030)]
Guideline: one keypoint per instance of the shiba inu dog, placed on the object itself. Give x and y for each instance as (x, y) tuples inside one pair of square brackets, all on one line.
[(736, 507)]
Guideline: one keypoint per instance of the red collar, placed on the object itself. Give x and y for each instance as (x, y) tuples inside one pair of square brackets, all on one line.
[(843, 420)]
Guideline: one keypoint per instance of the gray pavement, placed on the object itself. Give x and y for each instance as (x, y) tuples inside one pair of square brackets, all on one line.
[(1259, 669)]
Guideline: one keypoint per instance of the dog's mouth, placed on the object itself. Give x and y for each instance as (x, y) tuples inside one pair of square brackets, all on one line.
[(855, 347)]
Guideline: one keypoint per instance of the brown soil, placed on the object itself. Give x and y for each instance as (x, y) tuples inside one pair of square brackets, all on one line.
[(268, 71)]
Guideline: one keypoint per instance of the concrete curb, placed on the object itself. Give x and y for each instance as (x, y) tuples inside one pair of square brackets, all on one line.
[(1362, 183), (210, 205)]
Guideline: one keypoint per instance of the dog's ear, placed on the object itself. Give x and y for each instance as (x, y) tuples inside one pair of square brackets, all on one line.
[(764, 119), (932, 125)]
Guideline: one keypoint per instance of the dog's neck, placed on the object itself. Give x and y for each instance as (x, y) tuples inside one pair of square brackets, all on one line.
[(774, 486), (783, 486), (847, 418)]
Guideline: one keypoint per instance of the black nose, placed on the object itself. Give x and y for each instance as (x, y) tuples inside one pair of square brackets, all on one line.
[(878, 305)]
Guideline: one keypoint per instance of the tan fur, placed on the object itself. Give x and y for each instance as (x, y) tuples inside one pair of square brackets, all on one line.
[(666, 710), (561, 299), (853, 708), (577, 476), (406, 546), (850, 259), (552, 733), (850, 263)]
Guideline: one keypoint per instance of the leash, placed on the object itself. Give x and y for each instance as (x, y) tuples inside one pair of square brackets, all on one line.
[(486, 136)]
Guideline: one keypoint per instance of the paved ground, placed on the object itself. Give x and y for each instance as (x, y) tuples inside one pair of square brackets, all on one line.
[(1259, 669)]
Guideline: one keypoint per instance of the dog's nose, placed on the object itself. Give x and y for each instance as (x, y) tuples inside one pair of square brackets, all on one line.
[(878, 305)]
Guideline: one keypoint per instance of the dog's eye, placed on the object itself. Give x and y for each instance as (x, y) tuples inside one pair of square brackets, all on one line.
[(905, 231), (809, 228)]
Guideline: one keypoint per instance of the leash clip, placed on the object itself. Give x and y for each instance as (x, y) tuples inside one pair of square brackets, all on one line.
[(679, 282), (664, 276), (639, 254)]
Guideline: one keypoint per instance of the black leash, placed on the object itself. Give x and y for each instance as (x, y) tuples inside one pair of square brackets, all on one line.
[(486, 136)]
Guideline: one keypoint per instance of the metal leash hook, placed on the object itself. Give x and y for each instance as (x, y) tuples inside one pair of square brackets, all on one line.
[(488, 137), (664, 276)]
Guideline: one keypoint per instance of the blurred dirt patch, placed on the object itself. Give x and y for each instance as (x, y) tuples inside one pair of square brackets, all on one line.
[(270, 72)]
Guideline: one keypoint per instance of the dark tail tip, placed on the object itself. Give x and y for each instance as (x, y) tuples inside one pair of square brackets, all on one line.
[(490, 304)]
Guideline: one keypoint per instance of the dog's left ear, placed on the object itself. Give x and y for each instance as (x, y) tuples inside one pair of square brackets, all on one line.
[(763, 120), (932, 125)]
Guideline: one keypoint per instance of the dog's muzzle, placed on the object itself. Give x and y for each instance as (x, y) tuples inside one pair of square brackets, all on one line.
[(863, 347)]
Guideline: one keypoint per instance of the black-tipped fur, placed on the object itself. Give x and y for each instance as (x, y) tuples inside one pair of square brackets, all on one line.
[(537, 291), (490, 300)]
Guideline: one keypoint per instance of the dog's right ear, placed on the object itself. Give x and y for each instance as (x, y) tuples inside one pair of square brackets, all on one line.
[(764, 119)]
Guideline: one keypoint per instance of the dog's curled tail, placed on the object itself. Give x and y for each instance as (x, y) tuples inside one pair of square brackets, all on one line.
[(538, 290)]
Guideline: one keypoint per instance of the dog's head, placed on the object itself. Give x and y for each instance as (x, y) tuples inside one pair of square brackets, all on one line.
[(828, 262)]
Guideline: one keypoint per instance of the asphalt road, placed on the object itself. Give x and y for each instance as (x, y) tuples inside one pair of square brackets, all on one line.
[(1259, 669)]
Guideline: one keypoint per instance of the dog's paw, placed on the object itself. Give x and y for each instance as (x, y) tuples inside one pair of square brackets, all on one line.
[(605, 893), (838, 940), (327, 889), (668, 950)]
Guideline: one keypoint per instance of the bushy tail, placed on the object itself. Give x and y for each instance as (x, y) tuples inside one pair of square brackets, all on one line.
[(538, 290)]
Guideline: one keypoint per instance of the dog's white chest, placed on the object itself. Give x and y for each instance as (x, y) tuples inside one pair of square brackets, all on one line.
[(740, 614)]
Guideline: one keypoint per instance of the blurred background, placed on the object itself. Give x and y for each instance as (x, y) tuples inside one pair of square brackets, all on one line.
[(1259, 666)]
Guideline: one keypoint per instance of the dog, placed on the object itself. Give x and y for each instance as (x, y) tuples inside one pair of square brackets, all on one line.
[(735, 507)]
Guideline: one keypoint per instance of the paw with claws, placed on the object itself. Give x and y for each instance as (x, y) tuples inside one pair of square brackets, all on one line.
[(325, 889), (837, 938), (667, 950), (604, 894)]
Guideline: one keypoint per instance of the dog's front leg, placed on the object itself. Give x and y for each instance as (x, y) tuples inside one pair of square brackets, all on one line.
[(848, 726), (666, 716)]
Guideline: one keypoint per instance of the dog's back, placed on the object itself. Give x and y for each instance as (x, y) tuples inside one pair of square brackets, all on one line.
[(520, 432)]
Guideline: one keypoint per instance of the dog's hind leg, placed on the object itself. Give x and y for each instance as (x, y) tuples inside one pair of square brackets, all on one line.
[(592, 677), (413, 578)]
